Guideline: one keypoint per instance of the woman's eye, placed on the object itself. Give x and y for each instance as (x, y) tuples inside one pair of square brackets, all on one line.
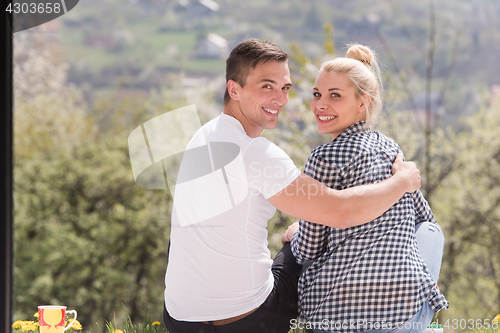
[(335, 95), (316, 94)]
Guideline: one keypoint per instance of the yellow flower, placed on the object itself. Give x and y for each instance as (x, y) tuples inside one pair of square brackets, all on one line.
[(29, 326), (497, 318), (24, 323), (17, 324), (36, 314), (156, 323), (76, 325), (118, 331)]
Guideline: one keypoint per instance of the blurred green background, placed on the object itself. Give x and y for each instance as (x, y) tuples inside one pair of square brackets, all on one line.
[(87, 237)]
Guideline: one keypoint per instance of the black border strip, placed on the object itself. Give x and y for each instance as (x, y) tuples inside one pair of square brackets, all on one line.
[(6, 172)]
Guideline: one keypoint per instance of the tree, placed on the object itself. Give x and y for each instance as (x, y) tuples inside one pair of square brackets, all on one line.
[(427, 113), (86, 235), (469, 202)]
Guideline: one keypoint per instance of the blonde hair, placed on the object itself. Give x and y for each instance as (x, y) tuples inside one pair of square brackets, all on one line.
[(360, 65)]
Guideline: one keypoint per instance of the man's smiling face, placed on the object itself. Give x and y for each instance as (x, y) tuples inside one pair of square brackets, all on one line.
[(263, 96)]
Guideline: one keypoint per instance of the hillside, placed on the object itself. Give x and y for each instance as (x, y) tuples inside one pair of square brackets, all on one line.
[(139, 44)]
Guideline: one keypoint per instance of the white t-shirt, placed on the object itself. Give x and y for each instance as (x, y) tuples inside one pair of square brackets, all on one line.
[(219, 264)]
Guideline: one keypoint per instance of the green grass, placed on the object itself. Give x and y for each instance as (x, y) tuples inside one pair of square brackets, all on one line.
[(77, 52), (146, 327), (149, 47), (206, 65)]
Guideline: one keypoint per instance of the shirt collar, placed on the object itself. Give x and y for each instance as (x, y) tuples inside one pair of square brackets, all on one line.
[(355, 128)]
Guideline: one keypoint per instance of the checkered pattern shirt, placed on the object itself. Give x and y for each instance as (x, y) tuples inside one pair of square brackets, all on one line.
[(372, 273)]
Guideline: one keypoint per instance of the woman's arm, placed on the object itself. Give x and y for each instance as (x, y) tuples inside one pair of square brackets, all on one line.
[(310, 241), (307, 199)]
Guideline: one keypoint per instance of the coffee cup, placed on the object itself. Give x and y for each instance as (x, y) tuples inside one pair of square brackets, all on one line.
[(52, 318)]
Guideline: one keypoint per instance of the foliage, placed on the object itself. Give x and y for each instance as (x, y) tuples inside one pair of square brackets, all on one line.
[(97, 239), (147, 326), (470, 204), (86, 235)]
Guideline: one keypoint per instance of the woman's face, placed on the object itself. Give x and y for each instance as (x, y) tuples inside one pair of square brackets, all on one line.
[(335, 104)]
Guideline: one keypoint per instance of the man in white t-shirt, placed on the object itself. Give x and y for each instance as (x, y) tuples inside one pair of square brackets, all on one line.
[(220, 276)]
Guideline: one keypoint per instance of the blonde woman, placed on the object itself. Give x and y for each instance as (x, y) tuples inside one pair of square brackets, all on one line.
[(380, 276)]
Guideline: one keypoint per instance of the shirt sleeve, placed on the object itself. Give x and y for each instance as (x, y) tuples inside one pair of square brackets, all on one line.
[(310, 241), (423, 211), (269, 168)]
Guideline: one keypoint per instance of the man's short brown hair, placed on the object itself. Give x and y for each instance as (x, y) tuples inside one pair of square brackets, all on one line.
[(247, 55)]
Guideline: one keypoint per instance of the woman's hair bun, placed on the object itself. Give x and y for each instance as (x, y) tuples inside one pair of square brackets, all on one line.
[(361, 53)]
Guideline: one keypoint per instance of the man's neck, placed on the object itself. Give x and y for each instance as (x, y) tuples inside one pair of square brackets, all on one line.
[(235, 112)]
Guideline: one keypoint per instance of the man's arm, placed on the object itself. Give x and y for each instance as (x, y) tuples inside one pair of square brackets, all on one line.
[(306, 198)]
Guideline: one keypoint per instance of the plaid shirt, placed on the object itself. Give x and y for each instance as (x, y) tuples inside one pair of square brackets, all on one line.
[(367, 274)]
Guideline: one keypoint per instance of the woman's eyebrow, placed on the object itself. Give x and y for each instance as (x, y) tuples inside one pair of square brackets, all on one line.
[(331, 89)]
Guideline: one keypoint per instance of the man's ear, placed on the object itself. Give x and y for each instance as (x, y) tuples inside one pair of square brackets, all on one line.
[(365, 101), (233, 89)]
